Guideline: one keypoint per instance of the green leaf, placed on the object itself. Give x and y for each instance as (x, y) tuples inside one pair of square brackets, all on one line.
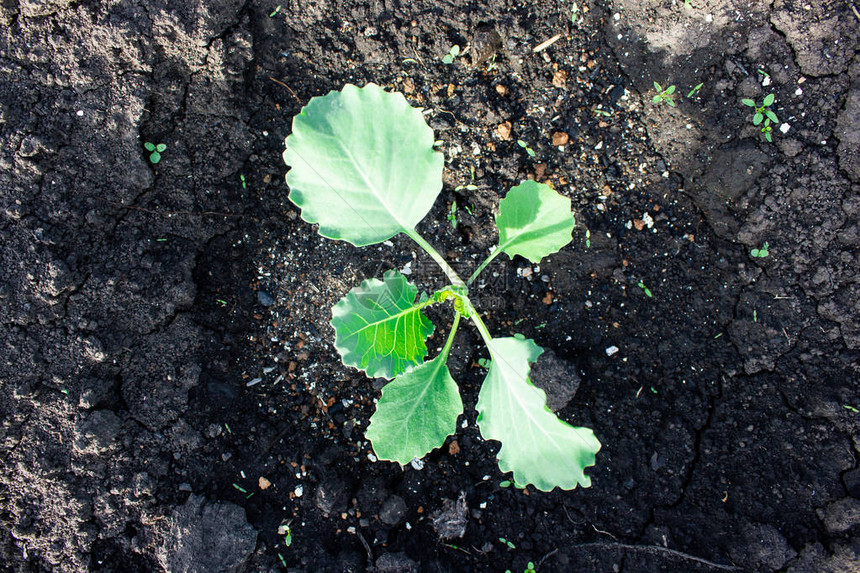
[(757, 118), (362, 164), (771, 116), (416, 412), (380, 328), (447, 59), (149, 146), (656, 99), (160, 147), (154, 157), (455, 50), (768, 100), (534, 221), (657, 87), (748, 102), (670, 90), (537, 447), (670, 101)]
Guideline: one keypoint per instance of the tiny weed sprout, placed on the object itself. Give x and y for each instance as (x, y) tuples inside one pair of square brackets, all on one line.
[(695, 90), (525, 146), (761, 252), (363, 167), (762, 111), (663, 95), (574, 13), (452, 214), (448, 58), (645, 289), (156, 151)]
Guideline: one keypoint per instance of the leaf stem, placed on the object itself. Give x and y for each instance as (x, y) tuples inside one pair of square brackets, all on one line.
[(451, 334), (446, 268), (483, 265), (479, 324)]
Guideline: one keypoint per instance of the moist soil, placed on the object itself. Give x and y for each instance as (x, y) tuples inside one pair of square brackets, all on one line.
[(171, 398)]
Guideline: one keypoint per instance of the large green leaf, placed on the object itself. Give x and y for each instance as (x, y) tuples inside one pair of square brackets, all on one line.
[(416, 412), (534, 221), (537, 446), (362, 164), (380, 328)]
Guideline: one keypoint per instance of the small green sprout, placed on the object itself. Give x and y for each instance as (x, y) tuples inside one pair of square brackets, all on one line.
[(448, 58), (695, 90), (574, 13), (157, 149), (283, 561), (242, 179), (452, 214), (240, 488), (505, 483), (755, 315), (284, 529), (530, 568), (653, 390), (510, 544), (851, 408), (761, 252), (525, 146), (469, 187), (221, 301), (275, 11), (762, 111), (587, 239), (645, 289), (602, 112), (663, 95)]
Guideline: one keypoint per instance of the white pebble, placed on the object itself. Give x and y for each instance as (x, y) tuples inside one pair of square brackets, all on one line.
[(611, 350), (417, 464), (299, 491)]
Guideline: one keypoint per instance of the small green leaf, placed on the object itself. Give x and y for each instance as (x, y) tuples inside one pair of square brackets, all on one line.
[(380, 328), (657, 99), (670, 101), (670, 90), (154, 157), (522, 143), (149, 146), (771, 116), (768, 100), (657, 87), (537, 447), (530, 151), (534, 221), (455, 50), (447, 59), (757, 118), (362, 164), (160, 147), (416, 412), (748, 102), (768, 137)]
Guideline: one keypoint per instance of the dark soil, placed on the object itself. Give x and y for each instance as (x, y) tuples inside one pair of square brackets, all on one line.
[(171, 399)]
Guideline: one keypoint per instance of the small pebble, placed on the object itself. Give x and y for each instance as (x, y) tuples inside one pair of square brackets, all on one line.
[(265, 298), (611, 350)]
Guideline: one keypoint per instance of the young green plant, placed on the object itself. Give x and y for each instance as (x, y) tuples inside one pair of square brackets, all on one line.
[(363, 167), (155, 149), (663, 95)]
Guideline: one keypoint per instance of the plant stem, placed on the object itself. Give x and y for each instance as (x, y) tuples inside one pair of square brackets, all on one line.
[(483, 265), (446, 268), (451, 335), (479, 324)]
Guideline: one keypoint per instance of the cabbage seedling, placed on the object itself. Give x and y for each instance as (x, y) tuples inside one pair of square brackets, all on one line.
[(363, 167)]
